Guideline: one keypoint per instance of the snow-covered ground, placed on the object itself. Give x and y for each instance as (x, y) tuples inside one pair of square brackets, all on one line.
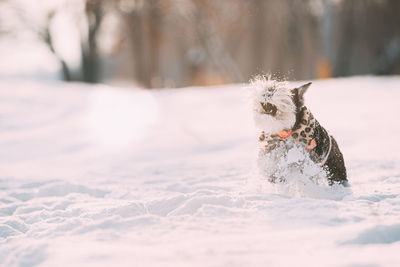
[(99, 176)]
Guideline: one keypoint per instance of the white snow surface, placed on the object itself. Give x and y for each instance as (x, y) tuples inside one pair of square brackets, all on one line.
[(101, 176)]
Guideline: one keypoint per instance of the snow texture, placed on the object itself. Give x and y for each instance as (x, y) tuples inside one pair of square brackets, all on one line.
[(99, 176)]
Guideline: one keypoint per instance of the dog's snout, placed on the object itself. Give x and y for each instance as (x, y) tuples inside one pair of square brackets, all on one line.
[(269, 108)]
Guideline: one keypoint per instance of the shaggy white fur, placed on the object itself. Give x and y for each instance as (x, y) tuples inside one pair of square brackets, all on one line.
[(266, 90)]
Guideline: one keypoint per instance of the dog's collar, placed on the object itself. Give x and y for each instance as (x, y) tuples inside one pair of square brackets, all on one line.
[(327, 153), (302, 133), (285, 134)]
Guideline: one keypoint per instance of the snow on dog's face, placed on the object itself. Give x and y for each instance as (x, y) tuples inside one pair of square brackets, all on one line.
[(275, 104)]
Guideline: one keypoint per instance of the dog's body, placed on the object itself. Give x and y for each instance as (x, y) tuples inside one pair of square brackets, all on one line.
[(286, 123)]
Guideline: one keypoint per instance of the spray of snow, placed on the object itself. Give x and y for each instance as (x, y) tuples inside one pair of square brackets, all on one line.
[(294, 173)]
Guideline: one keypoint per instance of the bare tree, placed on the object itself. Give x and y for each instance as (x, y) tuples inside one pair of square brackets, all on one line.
[(43, 30), (89, 50), (143, 22), (43, 33)]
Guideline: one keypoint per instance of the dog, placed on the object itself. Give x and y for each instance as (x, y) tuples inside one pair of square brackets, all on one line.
[(285, 122)]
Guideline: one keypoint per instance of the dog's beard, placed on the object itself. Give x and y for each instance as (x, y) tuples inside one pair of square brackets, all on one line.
[(270, 124)]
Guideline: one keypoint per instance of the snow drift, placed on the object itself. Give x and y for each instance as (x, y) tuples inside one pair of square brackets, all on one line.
[(99, 176)]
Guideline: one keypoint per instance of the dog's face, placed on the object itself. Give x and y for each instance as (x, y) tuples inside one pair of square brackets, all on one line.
[(275, 104)]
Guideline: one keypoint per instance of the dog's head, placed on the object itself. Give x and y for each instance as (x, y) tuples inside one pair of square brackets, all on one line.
[(275, 104)]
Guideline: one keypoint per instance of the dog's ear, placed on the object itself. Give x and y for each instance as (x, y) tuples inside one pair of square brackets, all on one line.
[(299, 92), (303, 89)]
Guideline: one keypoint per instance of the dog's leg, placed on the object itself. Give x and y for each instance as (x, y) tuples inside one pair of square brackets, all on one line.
[(335, 165)]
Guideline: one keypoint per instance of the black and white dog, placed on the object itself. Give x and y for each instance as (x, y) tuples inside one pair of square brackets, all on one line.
[(285, 121)]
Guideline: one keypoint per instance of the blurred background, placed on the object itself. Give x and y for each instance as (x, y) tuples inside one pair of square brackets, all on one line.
[(177, 43)]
